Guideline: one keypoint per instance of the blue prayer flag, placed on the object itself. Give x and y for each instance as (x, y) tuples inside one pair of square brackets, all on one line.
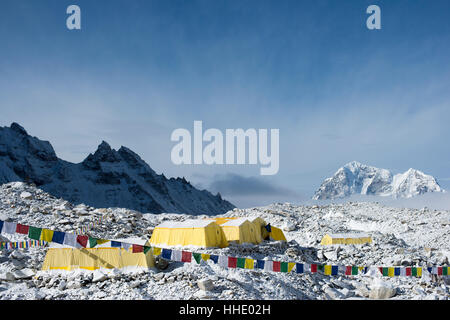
[(58, 237), (299, 267), (116, 244), (214, 258), (334, 270), (166, 254), (260, 264)]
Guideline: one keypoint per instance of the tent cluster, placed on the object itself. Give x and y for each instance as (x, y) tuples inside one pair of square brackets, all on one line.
[(215, 232)]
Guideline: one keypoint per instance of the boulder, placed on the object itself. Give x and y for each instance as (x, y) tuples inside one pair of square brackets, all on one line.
[(26, 195), (7, 276), (99, 276), (381, 290), (205, 284), (24, 274)]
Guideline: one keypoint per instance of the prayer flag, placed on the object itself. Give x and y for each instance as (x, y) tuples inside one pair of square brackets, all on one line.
[(300, 268), (176, 255), (47, 235), (260, 264), (232, 262), (146, 249), (138, 248), (240, 263), (82, 240), (205, 256), (58, 237), (186, 256), (34, 233), (327, 270), (334, 270), (92, 242), (249, 264), (116, 244), (156, 251), (197, 257), (268, 266), (214, 258), (166, 253), (283, 267), (397, 271), (276, 266), (22, 229), (408, 271), (291, 266), (313, 267), (9, 227), (391, 272), (70, 239), (223, 261)]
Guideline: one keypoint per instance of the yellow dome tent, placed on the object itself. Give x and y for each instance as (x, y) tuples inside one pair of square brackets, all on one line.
[(68, 258), (198, 233), (345, 238), (276, 234), (241, 230)]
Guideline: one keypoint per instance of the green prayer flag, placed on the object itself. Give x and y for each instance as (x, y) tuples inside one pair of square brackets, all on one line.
[(355, 270), (414, 271), (197, 256), (445, 271), (146, 249), (92, 242), (284, 267), (320, 267), (240, 263), (34, 233), (385, 271)]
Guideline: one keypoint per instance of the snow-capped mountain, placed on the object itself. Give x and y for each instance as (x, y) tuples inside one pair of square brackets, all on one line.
[(357, 178), (106, 178)]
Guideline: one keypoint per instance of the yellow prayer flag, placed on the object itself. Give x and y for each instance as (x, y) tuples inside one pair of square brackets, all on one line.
[(47, 235), (291, 266), (249, 263), (156, 251), (327, 270), (391, 272), (419, 272), (205, 256), (101, 241)]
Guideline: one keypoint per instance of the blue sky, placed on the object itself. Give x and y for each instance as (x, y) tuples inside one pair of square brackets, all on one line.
[(140, 69)]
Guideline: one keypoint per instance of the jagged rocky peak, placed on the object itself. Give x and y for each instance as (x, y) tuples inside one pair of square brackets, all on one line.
[(358, 178), (106, 178)]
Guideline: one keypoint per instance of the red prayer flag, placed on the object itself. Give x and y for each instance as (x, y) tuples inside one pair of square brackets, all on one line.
[(313, 267), (439, 270), (276, 266), (22, 229), (186, 256), (137, 248), (408, 271), (232, 262), (348, 270), (381, 269), (82, 240)]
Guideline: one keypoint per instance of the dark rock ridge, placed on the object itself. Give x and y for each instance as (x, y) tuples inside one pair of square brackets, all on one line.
[(106, 178)]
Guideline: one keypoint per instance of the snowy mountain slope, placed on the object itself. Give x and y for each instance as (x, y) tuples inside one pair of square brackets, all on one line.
[(106, 178), (357, 178)]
